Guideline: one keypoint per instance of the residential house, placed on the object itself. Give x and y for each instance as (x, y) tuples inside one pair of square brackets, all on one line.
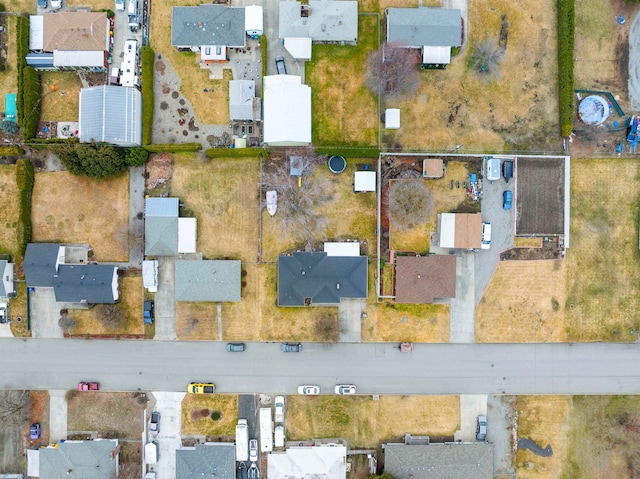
[(97, 459), (423, 279), (69, 41), (165, 233), (244, 105), (208, 30), (306, 279), (110, 114), (460, 230), (327, 461), (287, 111), (211, 459), (208, 281), (433, 30), (79, 284), (8, 285)]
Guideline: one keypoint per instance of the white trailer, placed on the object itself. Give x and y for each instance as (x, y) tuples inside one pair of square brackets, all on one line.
[(150, 275), (266, 430), (253, 20), (242, 441), (151, 452)]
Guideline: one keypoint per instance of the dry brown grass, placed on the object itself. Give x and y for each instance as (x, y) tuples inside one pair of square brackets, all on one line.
[(428, 323), (545, 420), (210, 108), (76, 209), (18, 309), (192, 404), (518, 303), (366, 423), (9, 78), (223, 194), (9, 209), (63, 103), (197, 321), (90, 321), (520, 242), (454, 106), (93, 4), (446, 200), (116, 414)]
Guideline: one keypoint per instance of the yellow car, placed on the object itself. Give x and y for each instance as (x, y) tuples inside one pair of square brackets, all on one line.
[(201, 388)]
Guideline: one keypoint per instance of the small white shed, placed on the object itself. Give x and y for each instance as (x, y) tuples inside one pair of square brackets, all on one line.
[(392, 118), (364, 181)]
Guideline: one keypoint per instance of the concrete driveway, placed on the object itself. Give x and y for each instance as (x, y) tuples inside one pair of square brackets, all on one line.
[(57, 414), (471, 406), (350, 319), (165, 307), (274, 43), (170, 407), (45, 313)]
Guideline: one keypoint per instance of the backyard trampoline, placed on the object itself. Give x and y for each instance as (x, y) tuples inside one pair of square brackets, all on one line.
[(594, 110), (337, 164)]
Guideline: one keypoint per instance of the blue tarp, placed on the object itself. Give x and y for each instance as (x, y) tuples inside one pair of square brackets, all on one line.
[(10, 107)]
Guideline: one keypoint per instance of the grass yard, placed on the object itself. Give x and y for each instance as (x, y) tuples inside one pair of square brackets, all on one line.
[(345, 112), (117, 415), (223, 195), (545, 420), (521, 242), (9, 78), (196, 422), (425, 323), (210, 108), (366, 423), (91, 321), (18, 309), (63, 103), (518, 110), (417, 239), (76, 209), (21, 6), (197, 321), (9, 210), (94, 4)]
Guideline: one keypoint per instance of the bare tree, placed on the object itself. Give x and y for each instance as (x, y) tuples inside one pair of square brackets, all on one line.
[(13, 407), (327, 329), (410, 202), (66, 322), (393, 71), (111, 316), (486, 58), (297, 204)]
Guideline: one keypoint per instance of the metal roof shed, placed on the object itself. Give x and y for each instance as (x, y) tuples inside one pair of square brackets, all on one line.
[(364, 181), (392, 118), (287, 111), (111, 114), (36, 32)]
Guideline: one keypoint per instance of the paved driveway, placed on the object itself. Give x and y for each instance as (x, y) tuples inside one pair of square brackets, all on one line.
[(471, 406), (350, 319), (57, 414), (45, 313), (165, 307), (170, 406)]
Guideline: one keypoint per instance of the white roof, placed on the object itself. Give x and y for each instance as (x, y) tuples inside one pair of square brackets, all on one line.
[(351, 248), (36, 32), (73, 58), (299, 47), (253, 18), (318, 462), (150, 275), (187, 231), (33, 462), (436, 55), (392, 118), (287, 111), (447, 230), (364, 181)]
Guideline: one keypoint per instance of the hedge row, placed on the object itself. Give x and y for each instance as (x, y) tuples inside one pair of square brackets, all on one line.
[(31, 98), (22, 48), (355, 152), (233, 152), (263, 45), (36, 142), (173, 147), (148, 57), (566, 39), (25, 178), (11, 151)]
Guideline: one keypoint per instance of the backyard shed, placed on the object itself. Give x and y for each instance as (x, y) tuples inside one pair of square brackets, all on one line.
[(287, 111), (460, 230), (364, 181), (392, 118)]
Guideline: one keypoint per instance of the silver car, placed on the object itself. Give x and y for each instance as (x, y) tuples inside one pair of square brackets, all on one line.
[(481, 428)]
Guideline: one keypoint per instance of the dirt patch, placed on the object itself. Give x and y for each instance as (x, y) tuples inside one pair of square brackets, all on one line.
[(39, 413), (158, 171), (548, 247), (111, 415), (194, 422), (9, 209)]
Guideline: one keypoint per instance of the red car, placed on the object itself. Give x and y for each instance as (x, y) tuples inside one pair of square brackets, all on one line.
[(82, 386)]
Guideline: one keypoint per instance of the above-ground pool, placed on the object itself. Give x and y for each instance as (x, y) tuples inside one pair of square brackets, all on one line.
[(337, 164)]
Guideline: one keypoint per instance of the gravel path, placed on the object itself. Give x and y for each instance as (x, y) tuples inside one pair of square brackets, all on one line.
[(501, 427)]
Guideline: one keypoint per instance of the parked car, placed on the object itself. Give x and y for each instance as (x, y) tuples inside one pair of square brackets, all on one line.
[(154, 424), (280, 67), (4, 313), (507, 198), (43, 3), (486, 236), (253, 450), (88, 386), (345, 389), (56, 4), (291, 347), (309, 390), (481, 428), (148, 312), (34, 431), (507, 170), (120, 5), (279, 403), (235, 347), (201, 388)]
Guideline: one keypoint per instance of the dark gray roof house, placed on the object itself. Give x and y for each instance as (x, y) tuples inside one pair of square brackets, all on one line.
[(206, 460), (469, 460), (41, 262), (207, 25), (97, 459), (320, 20), (208, 281), (424, 26), (306, 279)]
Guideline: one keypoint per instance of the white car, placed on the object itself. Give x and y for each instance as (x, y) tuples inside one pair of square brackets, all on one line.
[(345, 389), (486, 236), (253, 450), (120, 5), (309, 390), (56, 4)]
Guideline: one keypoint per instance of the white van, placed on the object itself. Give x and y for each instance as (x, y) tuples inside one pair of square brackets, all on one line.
[(486, 236), (492, 168)]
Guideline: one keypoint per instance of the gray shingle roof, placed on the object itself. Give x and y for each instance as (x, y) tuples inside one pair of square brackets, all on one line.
[(207, 25), (206, 460), (7, 284), (79, 460), (40, 264), (241, 95), (329, 21), (324, 279), (451, 460), (161, 207), (161, 226), (90, 283), (424, 26), (210, 281), (111, 114)]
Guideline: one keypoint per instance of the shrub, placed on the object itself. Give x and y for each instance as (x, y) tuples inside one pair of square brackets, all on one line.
[(31, 99), (263, 45), (173, 147), (96, 160), (9, 127), (566, 39), (22, 48), (11, 150), (25, 179), (233, 152), (136, 156), (148, 56), (364, 152)]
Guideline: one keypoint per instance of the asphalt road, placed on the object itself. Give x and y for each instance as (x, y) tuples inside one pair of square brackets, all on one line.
[(593, 368)]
